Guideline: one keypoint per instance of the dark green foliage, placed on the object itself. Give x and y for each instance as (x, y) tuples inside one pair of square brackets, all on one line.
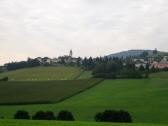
[(131, 73), (23, 64), (65, 115), (142, 68), (40, 115), (88, 63), (21, 114), (155, 51), (147, 67), (113, 116), (50, 115), (117, 69), (144, 54), (79, 60), (1, 69), (44, 116), (4, 79)]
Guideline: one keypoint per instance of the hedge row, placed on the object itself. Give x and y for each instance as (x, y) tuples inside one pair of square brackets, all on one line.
[(106, 116)]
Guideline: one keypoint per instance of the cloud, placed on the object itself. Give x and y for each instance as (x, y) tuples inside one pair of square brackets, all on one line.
[(89, 27)]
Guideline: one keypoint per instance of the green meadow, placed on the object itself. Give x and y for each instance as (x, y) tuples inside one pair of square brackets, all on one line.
[(71, 88), (145, 99)]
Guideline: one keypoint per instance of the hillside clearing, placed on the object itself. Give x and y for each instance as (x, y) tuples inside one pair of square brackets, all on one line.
[(43, 73)]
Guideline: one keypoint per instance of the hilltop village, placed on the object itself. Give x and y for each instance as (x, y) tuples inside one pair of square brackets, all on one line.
[(66, 59), (158, 63), (152, 60)]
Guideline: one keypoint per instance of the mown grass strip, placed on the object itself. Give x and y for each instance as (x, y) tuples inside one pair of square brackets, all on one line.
[(64, 123)]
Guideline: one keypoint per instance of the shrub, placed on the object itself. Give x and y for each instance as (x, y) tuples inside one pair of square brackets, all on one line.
[(44, 116), (113, 116), (21, 114), (99, 117), (65, 115), (40, 115), (50, 115)]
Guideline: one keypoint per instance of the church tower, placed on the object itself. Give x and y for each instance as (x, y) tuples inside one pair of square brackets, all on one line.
[(71, 53)]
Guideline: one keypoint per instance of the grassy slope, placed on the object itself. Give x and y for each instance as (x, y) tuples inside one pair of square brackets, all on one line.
[(43, 73), (161, 75), (41, 91), (85, 75), (146, 100), (60, 123)]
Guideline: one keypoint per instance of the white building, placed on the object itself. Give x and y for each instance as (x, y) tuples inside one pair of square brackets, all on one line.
[(55, 60), (39, 59)]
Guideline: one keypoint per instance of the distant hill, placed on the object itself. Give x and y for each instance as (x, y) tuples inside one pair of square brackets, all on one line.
[(130, 53)]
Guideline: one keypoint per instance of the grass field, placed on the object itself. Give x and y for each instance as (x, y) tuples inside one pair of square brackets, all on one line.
[(41, 91), (145, 99), (59, 123), (43, 73)]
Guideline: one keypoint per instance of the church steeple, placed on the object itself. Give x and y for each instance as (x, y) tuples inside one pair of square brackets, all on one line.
[(71, 53)]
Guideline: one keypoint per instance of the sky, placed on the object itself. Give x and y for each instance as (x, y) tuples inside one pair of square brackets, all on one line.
[(32, 28)]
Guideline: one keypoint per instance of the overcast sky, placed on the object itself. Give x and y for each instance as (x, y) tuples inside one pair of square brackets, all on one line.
[(32, 28)]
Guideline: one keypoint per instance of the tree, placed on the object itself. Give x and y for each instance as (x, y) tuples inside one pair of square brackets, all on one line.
[(21, 114), (155, 51), (113, 116), (100, 68), (78, 63), (65, 115), (40, 115), (99, 117), (147, 67), (88, 64), (144, 54), (22, 64), (50, 115), (142, 68), (116, 68), (1, 69)]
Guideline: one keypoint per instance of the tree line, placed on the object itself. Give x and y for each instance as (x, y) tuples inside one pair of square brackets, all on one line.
[(105, 67), (23, 64), (106, 116), (119, 69)]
